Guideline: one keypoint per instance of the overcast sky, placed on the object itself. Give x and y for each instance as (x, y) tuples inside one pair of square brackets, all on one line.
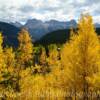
[(63, 10)]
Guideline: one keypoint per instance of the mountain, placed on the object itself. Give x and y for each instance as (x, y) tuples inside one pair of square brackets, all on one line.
[(57, 37), (97, 25), (38, 28), (9, 33), (16, 24)]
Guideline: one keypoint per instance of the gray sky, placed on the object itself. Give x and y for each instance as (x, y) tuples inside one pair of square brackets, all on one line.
[(63, 10)]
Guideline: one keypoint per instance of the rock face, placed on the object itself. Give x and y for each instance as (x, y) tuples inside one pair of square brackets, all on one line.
[(38, 28)]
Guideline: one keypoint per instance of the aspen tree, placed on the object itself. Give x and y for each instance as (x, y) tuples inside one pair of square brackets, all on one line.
[(24, 54), (6, 71), (9, 73), (25, 48), (53, 55), (43, 57), (80, 55), (2, 67)]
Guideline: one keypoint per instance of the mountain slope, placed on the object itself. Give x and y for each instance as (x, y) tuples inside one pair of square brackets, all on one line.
[(9, 33), (16, 24), (38, 28), (57, 37)]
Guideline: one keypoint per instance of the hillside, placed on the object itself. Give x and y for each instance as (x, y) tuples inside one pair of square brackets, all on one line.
[(9, 33), (57, 37)]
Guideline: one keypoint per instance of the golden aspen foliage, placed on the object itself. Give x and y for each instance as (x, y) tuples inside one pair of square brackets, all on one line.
[(2, 63), (53, 55), (1, 41), (10, 62), (32, 87), (37, 69), (1, 52), (80, 56), (37, 87), (7, 62), (43, 61), (25, 48), (2, 67), (9, 73), (24, 55), (43, 57), (94, 81), (9, 58)]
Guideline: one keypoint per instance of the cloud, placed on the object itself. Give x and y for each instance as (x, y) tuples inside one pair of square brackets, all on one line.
[(26, 9), (21, 10)]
